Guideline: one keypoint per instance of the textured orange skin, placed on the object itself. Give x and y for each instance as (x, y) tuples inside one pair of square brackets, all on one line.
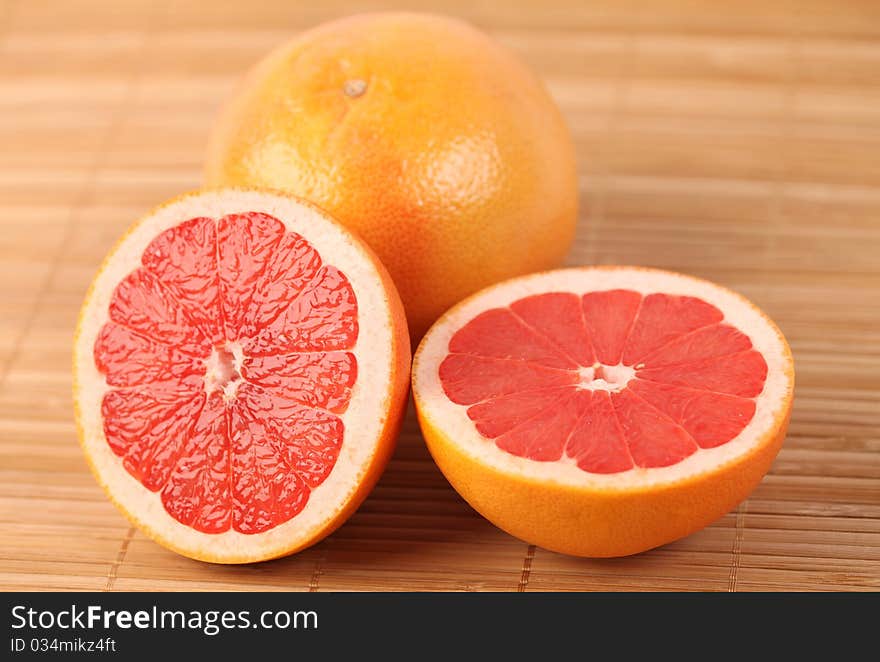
[(454, 164), (395, 408), (597, 522), (593, 522)]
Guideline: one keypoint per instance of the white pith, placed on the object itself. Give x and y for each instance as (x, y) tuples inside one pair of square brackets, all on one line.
[(364, 418), (223, 375), (452, 419), (613, 377)]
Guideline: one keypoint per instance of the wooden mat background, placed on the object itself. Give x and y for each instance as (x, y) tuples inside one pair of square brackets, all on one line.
[(735, 141)]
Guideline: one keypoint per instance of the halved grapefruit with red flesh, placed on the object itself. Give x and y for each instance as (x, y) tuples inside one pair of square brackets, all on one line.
[(241, 370), (603, 411)]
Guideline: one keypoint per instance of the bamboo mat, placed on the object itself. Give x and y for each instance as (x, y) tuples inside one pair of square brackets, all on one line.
[(740, 144)]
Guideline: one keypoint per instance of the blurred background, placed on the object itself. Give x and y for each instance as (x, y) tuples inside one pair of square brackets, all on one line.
[(734, 141)]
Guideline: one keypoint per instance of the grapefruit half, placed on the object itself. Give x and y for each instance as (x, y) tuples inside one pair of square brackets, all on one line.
[(241, 369), (603, 411)]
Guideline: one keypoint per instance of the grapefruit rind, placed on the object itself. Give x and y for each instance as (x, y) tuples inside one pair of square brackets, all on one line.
[(591, 522), (371, 420), (561, 507)]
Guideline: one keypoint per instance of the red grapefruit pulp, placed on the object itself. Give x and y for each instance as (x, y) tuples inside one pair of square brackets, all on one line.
[(598, 382), (230, 352), (613, 379)]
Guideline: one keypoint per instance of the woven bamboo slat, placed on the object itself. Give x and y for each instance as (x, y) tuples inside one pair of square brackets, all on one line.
[(738, 142)]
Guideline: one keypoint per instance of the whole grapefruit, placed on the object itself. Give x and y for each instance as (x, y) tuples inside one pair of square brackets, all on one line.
[(420, 133)]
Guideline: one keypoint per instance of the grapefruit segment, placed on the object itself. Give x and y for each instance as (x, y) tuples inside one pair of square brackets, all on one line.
[(184, 260), (608, 317), (468, 379), (703, 343), (294, 264), (671, 402), (268, 488), (499, 415), (711, 419), (241, 371), (130, 359), (653, 439), (501, 334), (323, 317), (147, 428), (542, 437), (245, 244), (320, 436), (197, 493), (741, 374), (318, 380), (559, 318), (144, 304), (596, 442), (663, 318)]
